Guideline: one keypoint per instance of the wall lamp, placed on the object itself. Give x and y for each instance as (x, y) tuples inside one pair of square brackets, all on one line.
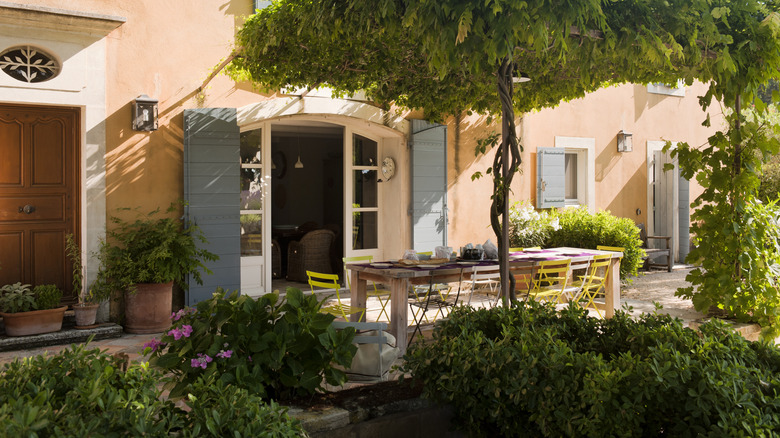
[(144, 113), (624, 142)]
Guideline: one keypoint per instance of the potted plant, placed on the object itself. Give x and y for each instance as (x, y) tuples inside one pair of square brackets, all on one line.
[(31, 312), (85, 310), (144, 258)]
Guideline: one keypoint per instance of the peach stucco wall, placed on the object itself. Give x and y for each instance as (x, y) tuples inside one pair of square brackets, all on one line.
[(620, 178)]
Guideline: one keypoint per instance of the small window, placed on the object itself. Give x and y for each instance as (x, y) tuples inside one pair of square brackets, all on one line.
[(677, 89), (28, 64), (570, 167)]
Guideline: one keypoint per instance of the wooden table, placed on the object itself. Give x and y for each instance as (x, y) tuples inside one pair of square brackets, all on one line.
[(400, 278)]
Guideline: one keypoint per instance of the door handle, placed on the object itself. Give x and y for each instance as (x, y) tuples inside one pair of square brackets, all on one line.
[(27, 209)]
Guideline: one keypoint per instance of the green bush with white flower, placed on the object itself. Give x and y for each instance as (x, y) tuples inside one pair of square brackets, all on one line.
[(275, 348), (529, 227)]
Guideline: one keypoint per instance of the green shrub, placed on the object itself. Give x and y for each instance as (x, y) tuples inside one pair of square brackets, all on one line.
[(580, 229), (83, 392), (218, 410), (274, 348), (530, 371), (47, 296), (16, 298), (529, 227)]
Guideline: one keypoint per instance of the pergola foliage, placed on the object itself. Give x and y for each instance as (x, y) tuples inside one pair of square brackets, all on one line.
[(450, 56), (442, 55)]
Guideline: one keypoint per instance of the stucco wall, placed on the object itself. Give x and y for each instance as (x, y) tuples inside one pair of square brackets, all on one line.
[(620, 178)]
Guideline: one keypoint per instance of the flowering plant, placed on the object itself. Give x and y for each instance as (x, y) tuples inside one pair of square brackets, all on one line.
[(275, 348), (528, 227)]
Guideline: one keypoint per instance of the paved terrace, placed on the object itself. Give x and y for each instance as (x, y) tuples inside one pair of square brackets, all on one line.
[(655, 286)]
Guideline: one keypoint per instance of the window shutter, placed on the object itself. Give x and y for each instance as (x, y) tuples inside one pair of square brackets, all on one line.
[(260, 4), (429, 185), (550, 177), (211, 187)]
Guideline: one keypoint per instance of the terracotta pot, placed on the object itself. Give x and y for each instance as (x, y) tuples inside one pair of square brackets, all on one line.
[(148, 308), (35, 322), (85, 314)]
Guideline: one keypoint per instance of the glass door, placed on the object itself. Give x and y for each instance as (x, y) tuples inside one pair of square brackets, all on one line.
[(362, 196), (255, 244)]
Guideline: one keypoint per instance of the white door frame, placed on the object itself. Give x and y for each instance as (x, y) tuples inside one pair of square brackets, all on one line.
[(654, 146)]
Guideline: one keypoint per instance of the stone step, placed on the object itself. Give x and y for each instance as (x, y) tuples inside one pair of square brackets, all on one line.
[(68, 335)]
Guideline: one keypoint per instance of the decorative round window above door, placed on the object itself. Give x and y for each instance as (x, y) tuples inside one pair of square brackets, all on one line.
[(28, 64)]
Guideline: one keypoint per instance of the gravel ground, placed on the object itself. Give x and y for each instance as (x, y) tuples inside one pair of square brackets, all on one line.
[(659, 287)]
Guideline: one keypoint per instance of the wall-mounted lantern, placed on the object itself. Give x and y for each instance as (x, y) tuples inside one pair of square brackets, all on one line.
[(624, 142), (144, 113)]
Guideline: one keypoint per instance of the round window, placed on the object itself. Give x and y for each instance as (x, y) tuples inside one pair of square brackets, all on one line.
[(28, 64)]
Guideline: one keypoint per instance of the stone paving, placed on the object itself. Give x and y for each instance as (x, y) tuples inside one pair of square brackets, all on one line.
[(640, 293)]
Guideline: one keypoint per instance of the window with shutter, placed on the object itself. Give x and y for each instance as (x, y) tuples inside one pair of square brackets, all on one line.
[(550, 177)]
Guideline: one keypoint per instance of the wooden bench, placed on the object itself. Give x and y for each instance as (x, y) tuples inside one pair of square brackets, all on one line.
[(652, 252)]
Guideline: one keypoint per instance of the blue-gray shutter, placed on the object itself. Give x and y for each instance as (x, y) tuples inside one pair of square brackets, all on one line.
[(429, 185), (211, 187), (685, 218), (261, 4), (550, 177)]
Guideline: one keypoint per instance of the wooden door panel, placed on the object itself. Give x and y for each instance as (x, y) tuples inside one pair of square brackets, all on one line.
[(11, 153), (39, 167), (46, 208), (11, 257), (48, 266), (48, 159)]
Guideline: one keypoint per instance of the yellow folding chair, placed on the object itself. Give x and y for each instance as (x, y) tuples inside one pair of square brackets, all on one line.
[(331, 281), (619, 249), (550, 279), (382, 295), (595, 282)]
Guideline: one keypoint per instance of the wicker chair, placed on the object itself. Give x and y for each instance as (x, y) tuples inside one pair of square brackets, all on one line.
[(276, 259), (311, 253)]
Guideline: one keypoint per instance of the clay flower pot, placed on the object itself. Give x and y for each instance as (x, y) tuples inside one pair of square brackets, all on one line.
[(148, 308), (35, 322), (85, 314)]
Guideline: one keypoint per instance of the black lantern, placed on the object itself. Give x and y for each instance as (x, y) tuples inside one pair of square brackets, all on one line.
[(624, 142), (144, 113)]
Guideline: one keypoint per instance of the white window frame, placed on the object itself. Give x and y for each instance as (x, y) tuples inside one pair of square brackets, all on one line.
[(585, 148), (661, 88)]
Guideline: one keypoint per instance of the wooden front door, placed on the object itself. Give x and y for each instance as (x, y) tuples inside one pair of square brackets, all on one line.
[(39, 194)]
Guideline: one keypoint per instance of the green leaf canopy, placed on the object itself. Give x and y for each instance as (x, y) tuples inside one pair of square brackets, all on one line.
[(441, 56)]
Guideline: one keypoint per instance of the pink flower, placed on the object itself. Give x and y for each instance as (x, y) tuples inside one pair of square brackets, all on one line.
[(154, 344), (186, 330), (176, 333), (225, 354), (201, 361)]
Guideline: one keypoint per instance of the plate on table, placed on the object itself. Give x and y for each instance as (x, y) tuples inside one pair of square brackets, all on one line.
[(468, 263), (532, 250), (428, 266), (382, 265)]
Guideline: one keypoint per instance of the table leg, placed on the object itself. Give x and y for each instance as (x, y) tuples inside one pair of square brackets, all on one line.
[(357, 294), (613, 289), (399, 311)]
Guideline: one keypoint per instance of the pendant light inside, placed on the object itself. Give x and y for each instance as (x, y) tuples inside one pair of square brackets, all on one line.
[(299, 163)]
